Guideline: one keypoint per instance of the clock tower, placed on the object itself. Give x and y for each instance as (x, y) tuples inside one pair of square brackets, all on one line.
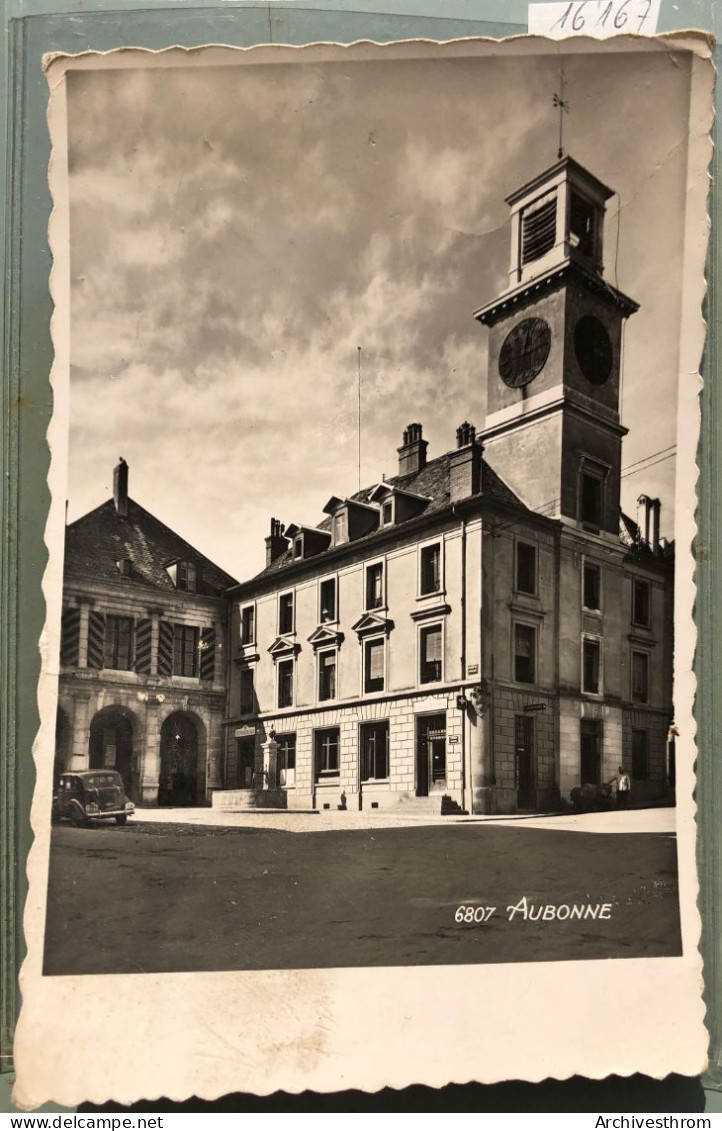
[(555, 350)]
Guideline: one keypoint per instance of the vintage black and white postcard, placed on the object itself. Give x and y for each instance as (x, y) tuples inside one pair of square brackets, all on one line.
[(367, 754)]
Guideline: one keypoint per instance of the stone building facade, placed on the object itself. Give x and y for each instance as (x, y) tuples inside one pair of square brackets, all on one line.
[(142, 685), (486, 630)]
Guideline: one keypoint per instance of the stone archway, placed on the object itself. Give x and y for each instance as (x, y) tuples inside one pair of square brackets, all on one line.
[(182, 760), (111, 743), (63, 744)]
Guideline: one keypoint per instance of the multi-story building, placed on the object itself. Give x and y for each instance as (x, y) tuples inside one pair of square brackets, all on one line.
[(486, 626), (142, 683)]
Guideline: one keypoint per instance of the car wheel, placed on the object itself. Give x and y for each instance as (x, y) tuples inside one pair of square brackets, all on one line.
[(123, 820), (77, 820)]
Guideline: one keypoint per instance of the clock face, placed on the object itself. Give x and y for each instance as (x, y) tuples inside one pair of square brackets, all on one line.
[(593, 348), (524, 352)]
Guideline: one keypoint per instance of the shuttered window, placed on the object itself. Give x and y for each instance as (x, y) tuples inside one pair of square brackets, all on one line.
[(96, 639), (430, 644), (166, 636), (118, 643), (208, 653), (185, 650), (538, 228), (143, 642), (70, 638), (374, 665)]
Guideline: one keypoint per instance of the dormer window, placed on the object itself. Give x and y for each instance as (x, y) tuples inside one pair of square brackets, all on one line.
[(387, 513), (184, 575), (298, 546), (340, 528)]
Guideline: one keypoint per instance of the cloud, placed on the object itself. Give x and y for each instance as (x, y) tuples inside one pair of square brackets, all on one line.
[(238, 232)]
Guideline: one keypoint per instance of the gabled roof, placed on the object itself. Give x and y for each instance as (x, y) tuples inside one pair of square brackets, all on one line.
[(431, 482), (96, 542)]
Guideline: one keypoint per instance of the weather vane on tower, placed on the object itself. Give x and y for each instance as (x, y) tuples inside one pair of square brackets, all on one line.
[(563, 105)]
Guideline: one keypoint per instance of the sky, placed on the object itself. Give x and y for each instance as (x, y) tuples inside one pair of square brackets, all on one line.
[(237, 232)]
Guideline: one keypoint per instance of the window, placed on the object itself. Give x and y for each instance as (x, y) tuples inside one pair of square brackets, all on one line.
[(590, 500), (246, 691), (186, 576), (640, 603), (524, 653), (286, 759), (640, 677), (374, 751), (538, 228), (285, 683), (640, 755), (248, 624), (592, 587), (525, 568), (340, 528), (327, 600), (298, 546), (285, 613), (327, 675), (591, 666), (375, 585), (581, 225), (430, 645), (118, 643), (431, 568), (374, 663), (326, 746), (387, 513), (185, 650)]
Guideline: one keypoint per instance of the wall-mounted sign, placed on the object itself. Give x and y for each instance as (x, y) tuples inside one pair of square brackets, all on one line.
[(473, 669), (453, 738), (245, 732), (535, 707)]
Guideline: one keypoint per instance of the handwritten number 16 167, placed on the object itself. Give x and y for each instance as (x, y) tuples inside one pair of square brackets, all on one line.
[(612, 14)]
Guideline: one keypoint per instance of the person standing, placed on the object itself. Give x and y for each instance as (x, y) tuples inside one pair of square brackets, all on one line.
[(624, 786)]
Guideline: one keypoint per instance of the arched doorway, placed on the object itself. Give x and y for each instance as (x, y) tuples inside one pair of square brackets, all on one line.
[(111, 743), (180, 764), (62, 745)]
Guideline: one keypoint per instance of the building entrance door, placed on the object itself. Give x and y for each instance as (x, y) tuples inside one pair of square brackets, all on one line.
[(525, 762), (430, 754), (246, 758), (590, 751)]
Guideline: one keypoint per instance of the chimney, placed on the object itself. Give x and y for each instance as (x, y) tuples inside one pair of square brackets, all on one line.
[(656, 513), (120, 488), (465, 464), (276, 544), (645, 501), (412, 453)]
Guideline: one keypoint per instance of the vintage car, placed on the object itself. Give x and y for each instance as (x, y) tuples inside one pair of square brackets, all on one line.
[(91, 795)]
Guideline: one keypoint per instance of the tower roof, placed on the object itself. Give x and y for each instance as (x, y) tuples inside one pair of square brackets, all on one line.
[(575, 172)]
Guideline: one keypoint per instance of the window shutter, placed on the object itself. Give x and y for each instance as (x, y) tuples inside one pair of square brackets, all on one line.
[(165, 648), (208, 653), (143, 638), (96, 639), (70, 638)]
